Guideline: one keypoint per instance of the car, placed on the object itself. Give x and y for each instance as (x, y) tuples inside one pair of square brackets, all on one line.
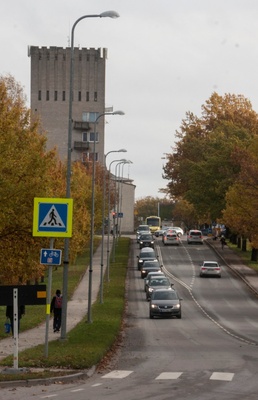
[(157, 282), (165, 303), (149, 266), (146, 240), (150, 275), (170, 237), (142, 229), (178, 230), (147, 253), (210, 268), (194, 236)]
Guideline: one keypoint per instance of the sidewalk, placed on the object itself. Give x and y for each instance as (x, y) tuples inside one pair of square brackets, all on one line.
[(235, 263), (77, 308)]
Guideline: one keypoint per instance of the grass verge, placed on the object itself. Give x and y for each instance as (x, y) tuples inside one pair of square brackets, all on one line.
[(86, 344)]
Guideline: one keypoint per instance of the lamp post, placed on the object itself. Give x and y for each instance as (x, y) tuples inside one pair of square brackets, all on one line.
[(110, 14), (103, 220), (120, 197), (108, 239), (93, 209), (115, 225)]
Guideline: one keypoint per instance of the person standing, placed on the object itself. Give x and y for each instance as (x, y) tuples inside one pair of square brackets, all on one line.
[(56, 309), (9, 314)]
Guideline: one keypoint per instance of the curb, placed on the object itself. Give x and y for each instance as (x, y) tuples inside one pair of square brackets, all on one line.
[(48, 381)]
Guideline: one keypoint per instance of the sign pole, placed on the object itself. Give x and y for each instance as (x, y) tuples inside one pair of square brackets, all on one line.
[(15, 328), (49, 288)]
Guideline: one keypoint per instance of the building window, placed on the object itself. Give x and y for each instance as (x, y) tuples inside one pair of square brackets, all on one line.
[(39, 95), (95, 96), (89, 116), (84, 136), (63, 95), (47, 95), (87, 96), (55, 95), (79, 96), (92, 137)]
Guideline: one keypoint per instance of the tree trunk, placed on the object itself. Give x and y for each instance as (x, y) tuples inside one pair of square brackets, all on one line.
[(254, 255), (239, 242), (244, 242)]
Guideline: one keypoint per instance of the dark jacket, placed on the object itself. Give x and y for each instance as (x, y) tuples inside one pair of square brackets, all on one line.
[(9, 312)]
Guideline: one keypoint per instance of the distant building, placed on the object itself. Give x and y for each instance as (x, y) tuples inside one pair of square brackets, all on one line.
[(50, 83)]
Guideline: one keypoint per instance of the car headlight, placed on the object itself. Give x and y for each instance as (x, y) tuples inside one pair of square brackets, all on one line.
[(150, 290), (141, 242), (143, 271), (177, 306), (152, 241), (154, 306)]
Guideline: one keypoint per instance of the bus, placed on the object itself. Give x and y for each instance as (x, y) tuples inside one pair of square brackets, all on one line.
[(154, 223)]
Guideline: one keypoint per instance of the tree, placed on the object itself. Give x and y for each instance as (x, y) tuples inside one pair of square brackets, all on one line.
[(241, 211), (200, 169)]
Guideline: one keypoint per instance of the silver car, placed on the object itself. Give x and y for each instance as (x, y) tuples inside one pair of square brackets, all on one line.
[(194, 236), (210, 268), (157, 282)]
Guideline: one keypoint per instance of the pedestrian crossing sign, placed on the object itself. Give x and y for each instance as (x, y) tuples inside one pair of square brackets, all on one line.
[(52, 217)]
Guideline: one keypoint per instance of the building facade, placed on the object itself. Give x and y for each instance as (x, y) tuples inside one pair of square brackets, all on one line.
[(50, 85), (50, 89)]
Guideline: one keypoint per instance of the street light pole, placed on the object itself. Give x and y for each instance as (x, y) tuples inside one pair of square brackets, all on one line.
[(103, 220), (108, 239), (93, 210), (110, 14), (115, 225)]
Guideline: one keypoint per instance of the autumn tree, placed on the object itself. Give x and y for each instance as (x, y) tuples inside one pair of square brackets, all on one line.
[(200, 168), (241, 211), (23, 167)]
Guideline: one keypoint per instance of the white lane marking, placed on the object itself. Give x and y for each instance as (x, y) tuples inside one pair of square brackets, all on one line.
[(97, 384), (222, 376), (169, 375), (48, 396), (76, 390), (116, 374)]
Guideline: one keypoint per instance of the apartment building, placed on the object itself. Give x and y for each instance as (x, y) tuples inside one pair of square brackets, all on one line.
[(50, 84), (50, 89)]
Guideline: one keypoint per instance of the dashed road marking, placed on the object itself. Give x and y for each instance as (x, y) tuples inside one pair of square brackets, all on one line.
[(169, 375), (117, 374)]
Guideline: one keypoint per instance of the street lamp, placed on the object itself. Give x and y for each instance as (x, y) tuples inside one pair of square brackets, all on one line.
[(120, 197), (108, 239), (93, 209), (115, 224), (110, 14), (103, 219)]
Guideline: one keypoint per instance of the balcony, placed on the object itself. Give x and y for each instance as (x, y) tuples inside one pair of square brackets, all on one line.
[(81, 125), (81, 145)]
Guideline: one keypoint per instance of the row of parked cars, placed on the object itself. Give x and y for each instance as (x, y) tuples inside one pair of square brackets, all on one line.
[(163, 298)]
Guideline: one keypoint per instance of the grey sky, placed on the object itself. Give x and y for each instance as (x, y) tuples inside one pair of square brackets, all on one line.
[(165, 57)]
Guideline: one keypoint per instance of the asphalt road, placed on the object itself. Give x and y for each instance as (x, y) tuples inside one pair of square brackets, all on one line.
[(210, 354)]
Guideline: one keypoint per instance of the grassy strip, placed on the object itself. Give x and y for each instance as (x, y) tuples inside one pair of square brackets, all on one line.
[(86, 344), (244, 255)]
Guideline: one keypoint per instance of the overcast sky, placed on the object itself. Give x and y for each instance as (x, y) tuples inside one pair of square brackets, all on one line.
[(165, 57)]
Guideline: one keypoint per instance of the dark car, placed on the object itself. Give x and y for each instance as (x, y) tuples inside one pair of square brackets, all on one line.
[(142, 229), (157, 282), (150, 266), (146, 240), (165, 303), (147, 253)]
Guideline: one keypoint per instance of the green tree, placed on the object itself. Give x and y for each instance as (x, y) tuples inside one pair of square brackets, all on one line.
[(201, 169)]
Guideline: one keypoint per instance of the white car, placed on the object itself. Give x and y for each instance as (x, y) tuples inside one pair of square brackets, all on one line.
[(209, 268)]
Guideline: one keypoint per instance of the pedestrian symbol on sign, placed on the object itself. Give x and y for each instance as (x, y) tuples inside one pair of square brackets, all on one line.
[(52, 219)]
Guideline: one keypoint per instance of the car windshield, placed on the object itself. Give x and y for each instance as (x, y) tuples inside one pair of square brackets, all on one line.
[(159, 282), (148, 255), (146, 237), (168, 295)]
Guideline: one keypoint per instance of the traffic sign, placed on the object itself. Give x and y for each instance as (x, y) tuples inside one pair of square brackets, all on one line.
[(50, 256), (52, 217)]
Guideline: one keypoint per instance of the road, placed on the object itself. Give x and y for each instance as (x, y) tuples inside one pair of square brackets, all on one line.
[(210, 354)]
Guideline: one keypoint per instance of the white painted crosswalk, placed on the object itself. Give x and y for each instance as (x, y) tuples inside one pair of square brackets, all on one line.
[(170, 375)]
